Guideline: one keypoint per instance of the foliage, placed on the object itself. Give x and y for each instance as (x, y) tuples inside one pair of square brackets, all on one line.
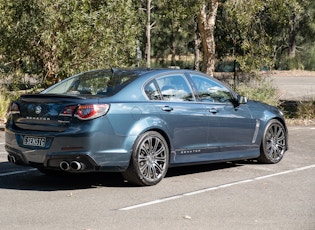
[(257, 88), (5, 99), (46, 41), (306, 109), (260, 33), (59, 38), (4, 103), (55, 39), (309, 57), (173, 32), (304, 60)]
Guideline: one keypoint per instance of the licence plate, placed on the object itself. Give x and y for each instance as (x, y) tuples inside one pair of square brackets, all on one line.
[(34, 141)]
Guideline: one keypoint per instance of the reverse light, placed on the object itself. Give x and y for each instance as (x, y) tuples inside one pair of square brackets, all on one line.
[(69, 110), (91, 111)]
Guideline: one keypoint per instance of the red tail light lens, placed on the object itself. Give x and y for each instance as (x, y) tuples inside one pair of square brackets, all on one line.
[(86, 112)]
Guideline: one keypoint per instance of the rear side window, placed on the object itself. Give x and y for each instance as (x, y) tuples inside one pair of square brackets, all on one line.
[(175, 88), (152, 92)]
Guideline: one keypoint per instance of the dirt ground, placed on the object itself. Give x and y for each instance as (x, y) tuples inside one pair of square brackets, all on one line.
[(290, 73), (274, 73)]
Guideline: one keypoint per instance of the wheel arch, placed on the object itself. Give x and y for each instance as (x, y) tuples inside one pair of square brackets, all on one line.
[(146, 125), (164, 135), (133, 174)]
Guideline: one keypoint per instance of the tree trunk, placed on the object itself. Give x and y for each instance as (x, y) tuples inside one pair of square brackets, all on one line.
[(206, 23), (292, 35), (148, 34), (197, 43), (173, 52)]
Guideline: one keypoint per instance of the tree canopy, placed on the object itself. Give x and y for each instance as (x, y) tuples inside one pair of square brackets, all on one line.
[(65, 37), (51, 40)]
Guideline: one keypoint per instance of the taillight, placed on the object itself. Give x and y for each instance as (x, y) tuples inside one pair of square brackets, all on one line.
[(13, 108), (86, 112)]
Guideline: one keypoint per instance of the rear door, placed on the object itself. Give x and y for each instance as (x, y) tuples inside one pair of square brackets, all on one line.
[(185, 118)]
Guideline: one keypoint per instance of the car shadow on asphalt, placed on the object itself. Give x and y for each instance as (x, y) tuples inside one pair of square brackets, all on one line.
[(31, 179)]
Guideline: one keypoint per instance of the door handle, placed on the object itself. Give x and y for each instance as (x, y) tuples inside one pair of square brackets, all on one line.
[(167, 108), (213, 110)]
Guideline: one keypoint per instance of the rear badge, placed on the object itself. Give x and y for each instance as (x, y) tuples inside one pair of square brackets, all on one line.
[(39, 118), (38, 109)]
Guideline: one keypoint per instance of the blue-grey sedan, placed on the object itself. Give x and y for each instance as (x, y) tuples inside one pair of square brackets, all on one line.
[(140, 122)]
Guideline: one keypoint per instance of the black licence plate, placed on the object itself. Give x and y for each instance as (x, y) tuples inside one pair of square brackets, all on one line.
[(34, 141)]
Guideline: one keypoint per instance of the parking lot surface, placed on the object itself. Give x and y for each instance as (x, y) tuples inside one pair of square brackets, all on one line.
[(240, 195), (295, 88)]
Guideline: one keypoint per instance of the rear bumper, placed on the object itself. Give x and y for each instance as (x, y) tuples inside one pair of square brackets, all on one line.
[(77, 162), (87, 164), (91, 152)]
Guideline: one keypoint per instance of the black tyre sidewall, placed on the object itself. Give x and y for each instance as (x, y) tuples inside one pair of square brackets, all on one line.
[(264, 157)]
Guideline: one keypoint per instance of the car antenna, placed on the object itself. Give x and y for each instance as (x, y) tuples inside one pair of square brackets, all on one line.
[(113, 70)]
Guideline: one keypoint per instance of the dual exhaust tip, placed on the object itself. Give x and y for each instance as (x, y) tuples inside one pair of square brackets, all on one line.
[(11, 158), (64, 165), (73, 165)]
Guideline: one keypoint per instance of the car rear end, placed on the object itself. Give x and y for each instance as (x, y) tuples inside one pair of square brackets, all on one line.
[(57, 132), (66, 128)]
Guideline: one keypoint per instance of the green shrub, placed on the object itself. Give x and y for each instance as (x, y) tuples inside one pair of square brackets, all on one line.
[(4, 103), (306, 110), (5, 99), (259, 89), (309, 58), (301, 110)]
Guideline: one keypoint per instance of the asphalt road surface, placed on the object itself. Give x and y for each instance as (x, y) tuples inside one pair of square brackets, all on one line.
[(296, 88), (241, 195)]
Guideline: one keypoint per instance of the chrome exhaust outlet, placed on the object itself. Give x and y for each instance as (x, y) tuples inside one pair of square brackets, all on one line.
[(11, 158), (64, 165), (75, 165)]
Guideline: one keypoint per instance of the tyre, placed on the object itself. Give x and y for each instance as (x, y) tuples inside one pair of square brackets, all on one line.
[(273, 143), (149, 160)]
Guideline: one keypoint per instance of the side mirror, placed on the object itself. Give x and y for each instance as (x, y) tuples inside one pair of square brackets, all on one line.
[(242, 100)]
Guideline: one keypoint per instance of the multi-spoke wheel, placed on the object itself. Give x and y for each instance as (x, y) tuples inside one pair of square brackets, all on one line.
[(149, 160), (273, 143)]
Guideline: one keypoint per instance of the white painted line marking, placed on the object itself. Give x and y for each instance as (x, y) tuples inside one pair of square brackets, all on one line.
[(213, 188), (16, 172)]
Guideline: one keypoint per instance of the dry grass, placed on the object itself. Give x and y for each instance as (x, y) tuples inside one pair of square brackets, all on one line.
[(300, 122)]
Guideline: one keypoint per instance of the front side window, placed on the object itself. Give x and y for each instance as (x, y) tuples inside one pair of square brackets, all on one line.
[(175, 88), (212, 91)]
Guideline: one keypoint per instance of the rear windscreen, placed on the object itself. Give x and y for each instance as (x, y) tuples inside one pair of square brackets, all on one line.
[(100, 82)]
